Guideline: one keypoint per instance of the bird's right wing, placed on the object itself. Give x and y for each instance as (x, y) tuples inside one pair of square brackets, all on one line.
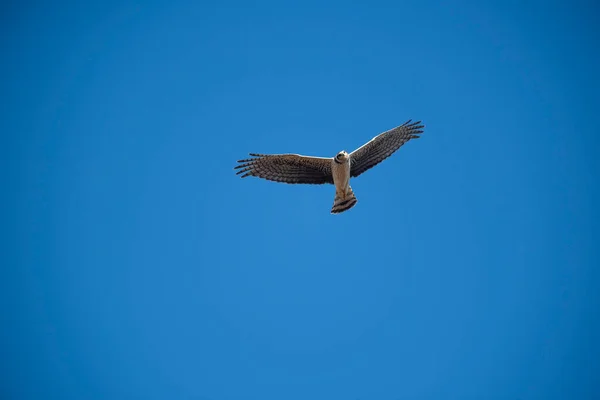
[(288, 168)]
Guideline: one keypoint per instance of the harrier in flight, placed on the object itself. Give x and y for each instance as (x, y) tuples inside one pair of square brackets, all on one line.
[(294, 168)]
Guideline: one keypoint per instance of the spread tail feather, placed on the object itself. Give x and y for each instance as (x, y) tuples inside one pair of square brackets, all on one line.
[(343, 203)]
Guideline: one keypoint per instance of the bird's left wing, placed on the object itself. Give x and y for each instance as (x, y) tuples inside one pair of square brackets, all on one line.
[(382, 146), (287, 168)]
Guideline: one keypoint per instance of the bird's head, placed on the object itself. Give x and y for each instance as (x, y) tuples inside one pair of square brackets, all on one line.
[(342, 156)]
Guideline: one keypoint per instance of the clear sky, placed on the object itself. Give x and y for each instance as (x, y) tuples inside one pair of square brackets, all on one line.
[(137, 265)]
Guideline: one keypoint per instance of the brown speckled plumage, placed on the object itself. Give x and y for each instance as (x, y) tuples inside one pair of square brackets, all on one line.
[(294, 168)]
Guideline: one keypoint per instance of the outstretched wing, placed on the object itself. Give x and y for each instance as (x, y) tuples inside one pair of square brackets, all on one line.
[(288, 168), (382, 146)]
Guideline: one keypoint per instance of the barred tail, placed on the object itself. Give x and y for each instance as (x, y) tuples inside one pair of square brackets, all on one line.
[(344, 202)]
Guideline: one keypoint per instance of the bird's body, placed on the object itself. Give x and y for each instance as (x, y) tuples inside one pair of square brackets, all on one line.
[(294, 168), (344, 196)]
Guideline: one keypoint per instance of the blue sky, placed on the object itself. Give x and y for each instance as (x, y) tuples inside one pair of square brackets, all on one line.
[(138, 266)]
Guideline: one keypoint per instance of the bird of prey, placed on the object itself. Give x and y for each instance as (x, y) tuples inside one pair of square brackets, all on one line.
[(295, 168)]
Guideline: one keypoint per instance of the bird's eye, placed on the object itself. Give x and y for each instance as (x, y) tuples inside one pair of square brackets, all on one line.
[(339, 155)]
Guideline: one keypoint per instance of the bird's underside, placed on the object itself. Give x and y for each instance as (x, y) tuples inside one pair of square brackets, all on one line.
[(295, 168)]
